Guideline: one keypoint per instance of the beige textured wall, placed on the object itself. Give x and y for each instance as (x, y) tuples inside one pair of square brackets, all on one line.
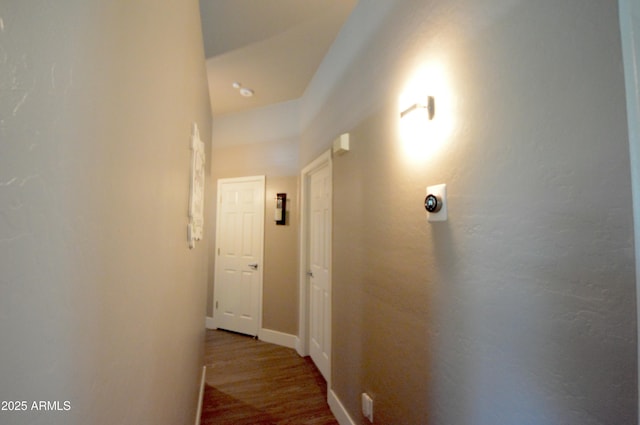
[(520, 309), (101, 301), (280, 297), (277, 161)]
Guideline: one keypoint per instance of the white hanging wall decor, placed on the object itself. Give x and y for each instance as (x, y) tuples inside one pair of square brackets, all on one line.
[(196, 194)]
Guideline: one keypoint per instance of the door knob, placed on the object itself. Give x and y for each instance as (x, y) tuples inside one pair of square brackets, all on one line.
[(310, 274), (254, 266)]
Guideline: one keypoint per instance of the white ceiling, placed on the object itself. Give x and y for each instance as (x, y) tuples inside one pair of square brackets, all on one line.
[(270, 46)]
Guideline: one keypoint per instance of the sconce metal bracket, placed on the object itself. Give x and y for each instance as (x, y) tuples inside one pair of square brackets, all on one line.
[(430, 107)]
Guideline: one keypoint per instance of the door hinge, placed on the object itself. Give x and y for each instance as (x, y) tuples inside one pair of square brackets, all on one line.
[(218, 251), (216, 305)]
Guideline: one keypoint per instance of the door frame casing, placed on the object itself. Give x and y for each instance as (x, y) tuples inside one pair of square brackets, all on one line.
[(261, 179), (324, 160), (629, 12)]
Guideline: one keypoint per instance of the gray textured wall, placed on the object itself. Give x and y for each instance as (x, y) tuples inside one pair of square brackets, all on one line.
[(101, 301), (521, 308)]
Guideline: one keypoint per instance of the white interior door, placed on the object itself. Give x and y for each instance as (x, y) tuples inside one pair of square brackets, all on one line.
[(319, 268), (239, 245)]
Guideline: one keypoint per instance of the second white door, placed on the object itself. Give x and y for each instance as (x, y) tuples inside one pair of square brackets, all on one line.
[(319, 264), (239, 252)]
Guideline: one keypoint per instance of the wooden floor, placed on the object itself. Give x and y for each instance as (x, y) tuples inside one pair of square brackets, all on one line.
[(251, 382)]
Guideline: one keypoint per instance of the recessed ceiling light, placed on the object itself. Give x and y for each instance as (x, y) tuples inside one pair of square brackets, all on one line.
[(245, 92)]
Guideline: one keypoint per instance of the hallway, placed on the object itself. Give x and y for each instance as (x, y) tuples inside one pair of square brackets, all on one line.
[(252, 382)]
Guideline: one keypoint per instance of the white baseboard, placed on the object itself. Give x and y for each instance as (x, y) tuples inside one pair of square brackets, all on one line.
[(208, 322), (299, 348), (338, 410), (201, 395), (278, 338)]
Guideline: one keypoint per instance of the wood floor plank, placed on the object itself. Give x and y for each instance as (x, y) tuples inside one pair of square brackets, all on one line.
[(250, 382)]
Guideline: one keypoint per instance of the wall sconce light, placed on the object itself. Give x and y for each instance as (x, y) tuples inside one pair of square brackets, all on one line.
[(429, 107), (281, 209), (422, 134)]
